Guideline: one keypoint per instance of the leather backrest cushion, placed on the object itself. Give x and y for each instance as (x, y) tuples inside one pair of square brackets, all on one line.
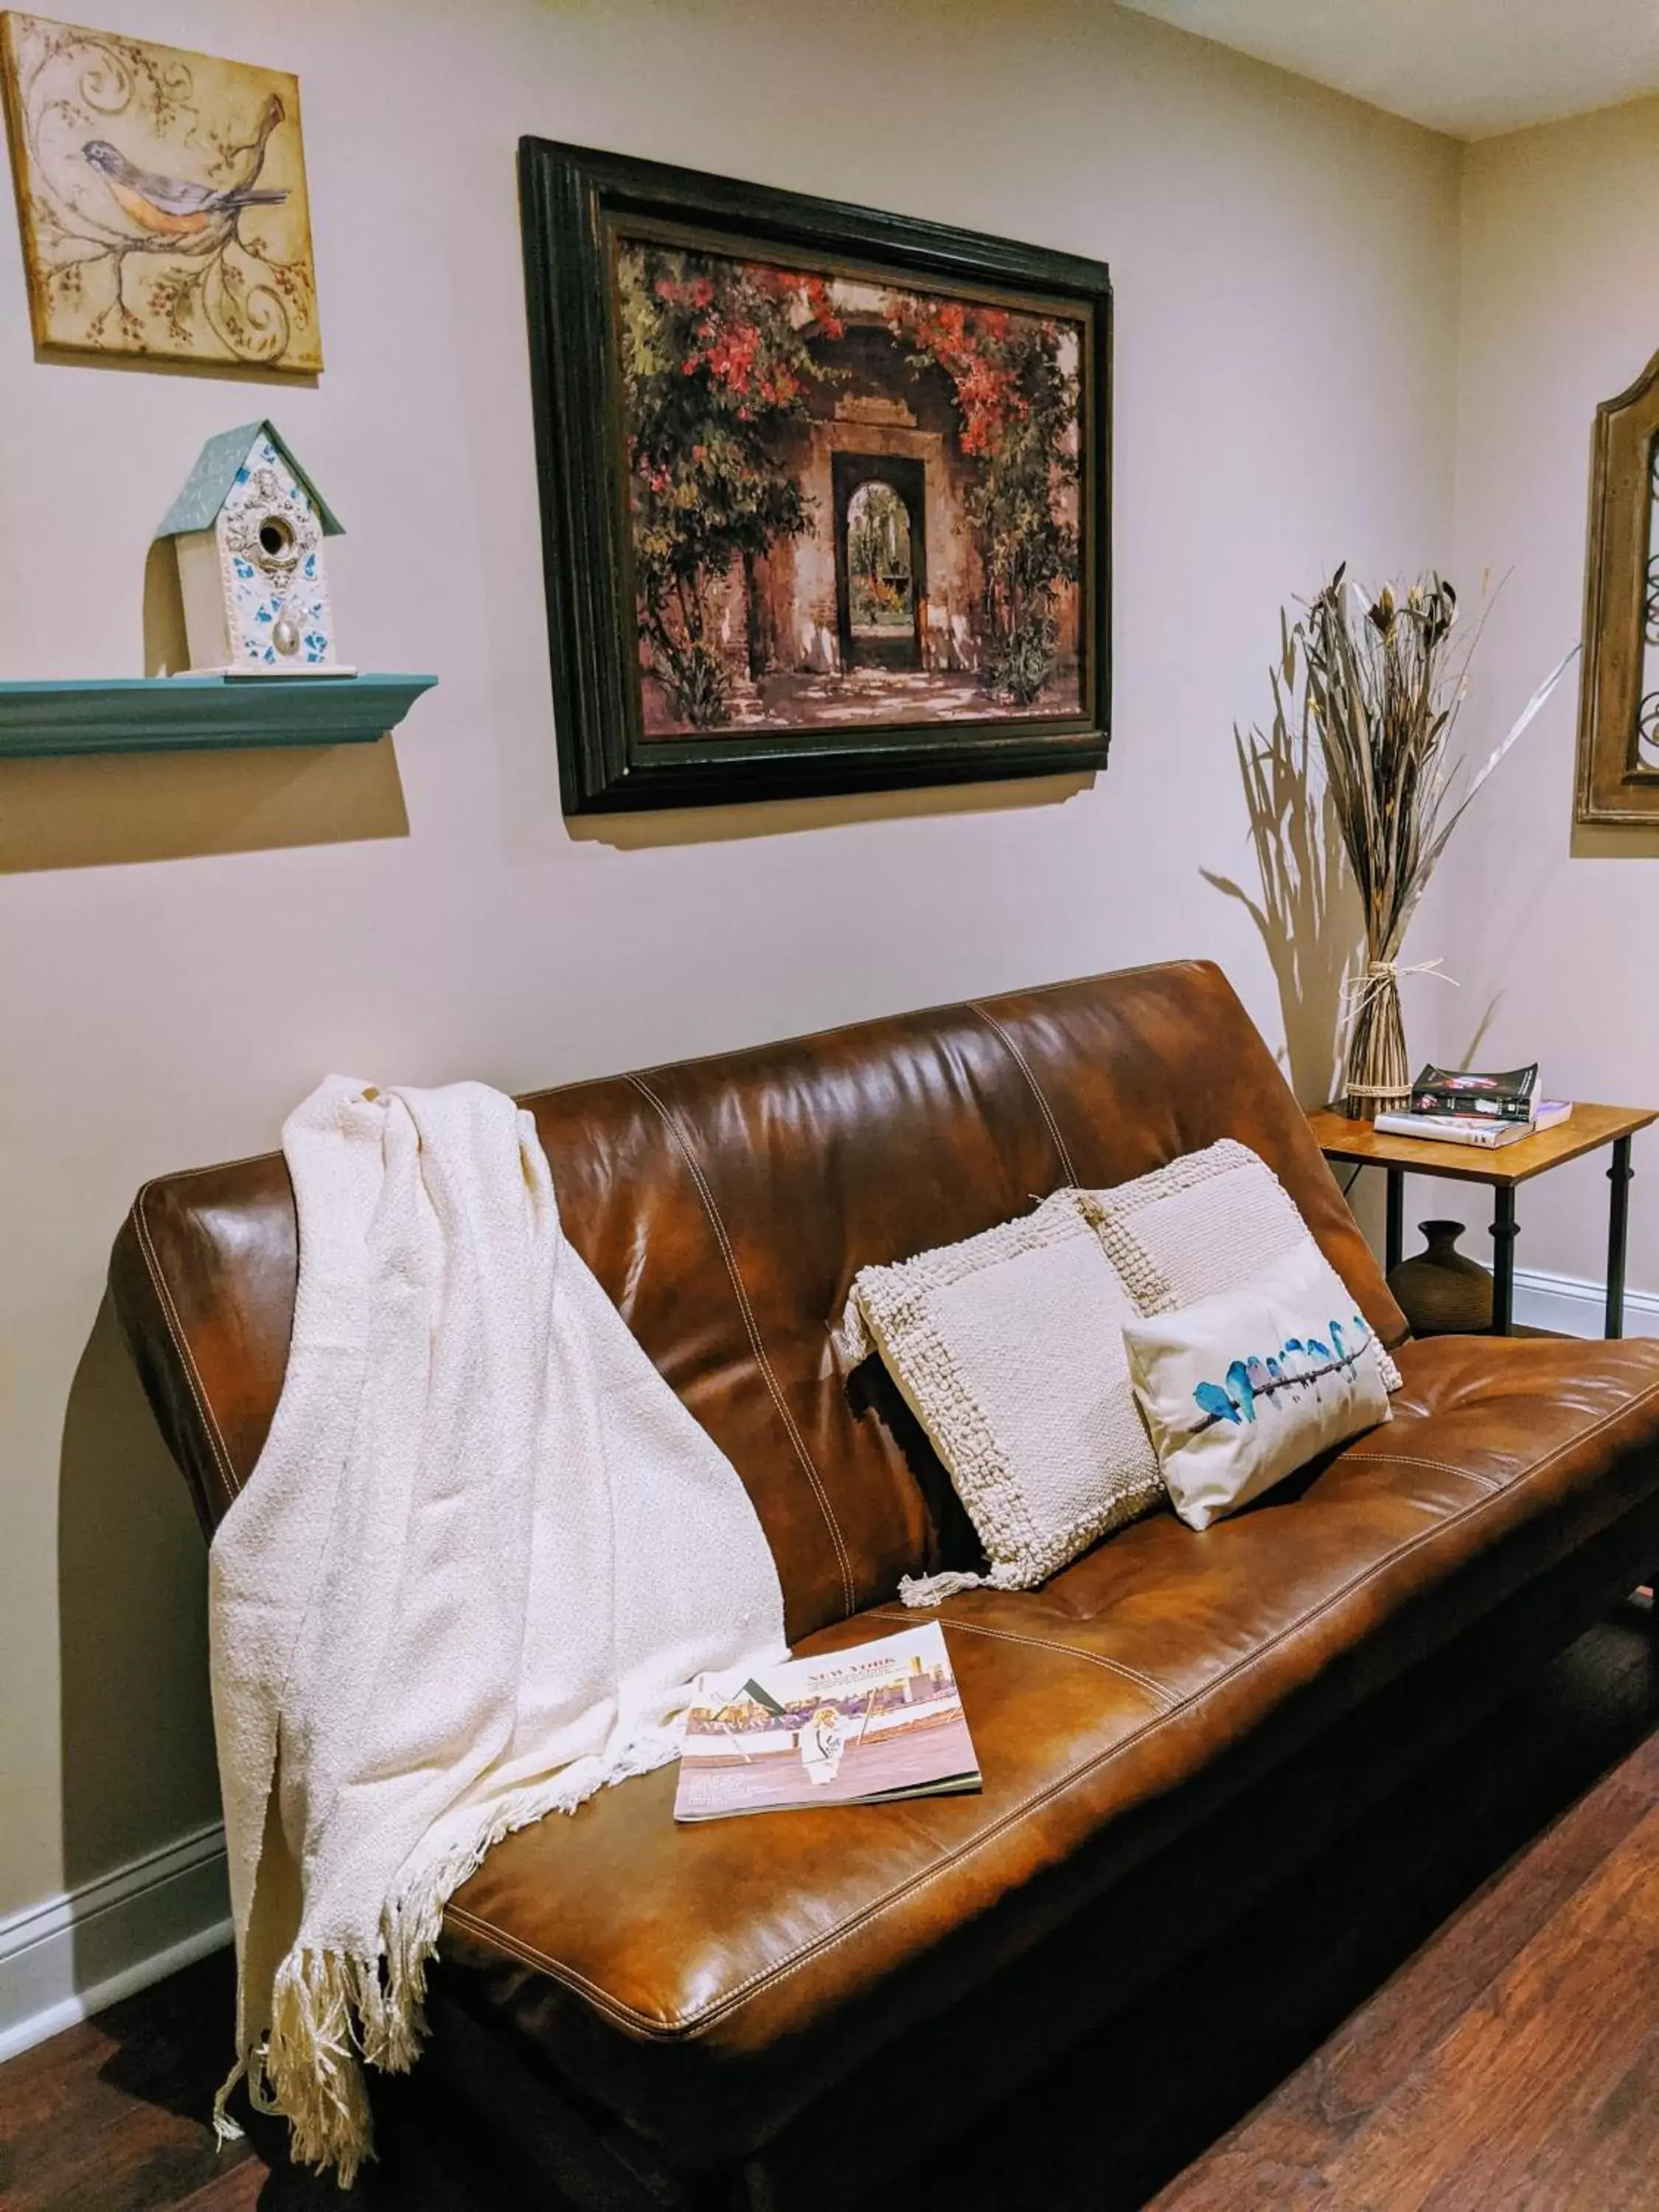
[(726, 1204)]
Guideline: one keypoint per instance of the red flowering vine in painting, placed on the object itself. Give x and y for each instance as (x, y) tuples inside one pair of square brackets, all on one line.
[(959, 339), (1016, 391), (715, 358)]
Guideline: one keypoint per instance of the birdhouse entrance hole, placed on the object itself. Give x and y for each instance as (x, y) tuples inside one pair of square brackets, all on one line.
[(275, 537)]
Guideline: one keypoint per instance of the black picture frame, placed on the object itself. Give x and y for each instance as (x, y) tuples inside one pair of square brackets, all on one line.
[(573, 200)]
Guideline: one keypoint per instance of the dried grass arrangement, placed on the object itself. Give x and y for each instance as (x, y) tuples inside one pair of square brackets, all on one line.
[(1382, 681)]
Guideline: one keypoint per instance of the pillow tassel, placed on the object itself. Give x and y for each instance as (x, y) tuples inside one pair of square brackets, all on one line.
[(918, 1590), (850, 1340)]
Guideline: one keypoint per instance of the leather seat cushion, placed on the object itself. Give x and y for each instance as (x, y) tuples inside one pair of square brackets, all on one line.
[(705, 1984)]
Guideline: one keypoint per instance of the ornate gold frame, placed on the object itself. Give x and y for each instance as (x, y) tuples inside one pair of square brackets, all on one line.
[(1613, 786)]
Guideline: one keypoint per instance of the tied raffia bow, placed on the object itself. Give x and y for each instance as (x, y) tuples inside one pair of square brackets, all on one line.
[(1359, 990)]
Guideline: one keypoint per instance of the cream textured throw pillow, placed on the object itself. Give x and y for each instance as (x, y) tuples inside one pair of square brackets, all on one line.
[(1207, 1223), (1009, 1350), (1241, 1389)]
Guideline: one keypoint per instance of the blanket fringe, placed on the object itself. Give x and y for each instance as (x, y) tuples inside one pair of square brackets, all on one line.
[(332, 2011), (311, 2059), (225, 2130)]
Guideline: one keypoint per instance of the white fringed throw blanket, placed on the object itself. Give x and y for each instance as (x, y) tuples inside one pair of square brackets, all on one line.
[(483, 1555)]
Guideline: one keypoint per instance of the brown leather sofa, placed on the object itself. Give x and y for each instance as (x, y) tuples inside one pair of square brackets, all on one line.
[(673, 2017)]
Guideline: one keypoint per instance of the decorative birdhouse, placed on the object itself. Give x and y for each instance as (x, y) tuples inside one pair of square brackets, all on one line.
[(249, 528)]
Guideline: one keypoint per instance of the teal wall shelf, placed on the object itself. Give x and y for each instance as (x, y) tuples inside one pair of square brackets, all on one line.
[(184, 714)]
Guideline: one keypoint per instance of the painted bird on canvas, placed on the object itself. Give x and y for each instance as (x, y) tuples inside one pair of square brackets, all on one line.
[(176, 214)]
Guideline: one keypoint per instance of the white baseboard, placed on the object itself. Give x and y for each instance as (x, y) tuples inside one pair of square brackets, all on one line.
[(72, 1955), (1572, 1307)]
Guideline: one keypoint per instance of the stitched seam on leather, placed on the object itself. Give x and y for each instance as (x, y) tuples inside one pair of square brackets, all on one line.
[(1489, 1482), (1161, 1697), (181, 1343), (842, 1560), (625, 2015), (1035, 1088), (693, 2024)]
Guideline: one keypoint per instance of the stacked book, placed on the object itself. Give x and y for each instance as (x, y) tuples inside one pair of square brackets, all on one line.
[(1460, 1106)]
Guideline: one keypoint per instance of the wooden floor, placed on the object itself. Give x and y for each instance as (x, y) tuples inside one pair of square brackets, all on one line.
[(1457, 2014)]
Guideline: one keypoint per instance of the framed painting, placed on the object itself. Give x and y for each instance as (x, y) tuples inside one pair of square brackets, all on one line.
[(161, 197), (824, 492)]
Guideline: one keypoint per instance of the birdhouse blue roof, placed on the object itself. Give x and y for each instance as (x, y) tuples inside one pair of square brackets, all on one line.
[(220, 464)]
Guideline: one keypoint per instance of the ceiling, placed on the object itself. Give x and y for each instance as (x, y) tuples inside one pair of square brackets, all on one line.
[(1471, 68)]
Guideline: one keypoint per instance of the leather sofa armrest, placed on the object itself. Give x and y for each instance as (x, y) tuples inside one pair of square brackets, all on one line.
[(150, 1328)]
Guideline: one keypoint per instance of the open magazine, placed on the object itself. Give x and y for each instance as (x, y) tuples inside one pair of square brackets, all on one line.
[(858, 1727)]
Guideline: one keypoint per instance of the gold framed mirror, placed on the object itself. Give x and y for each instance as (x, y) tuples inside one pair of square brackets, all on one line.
[(1619, 703)]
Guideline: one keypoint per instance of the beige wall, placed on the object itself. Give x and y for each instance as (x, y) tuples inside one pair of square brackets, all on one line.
[(186, 946), (1550, 933)]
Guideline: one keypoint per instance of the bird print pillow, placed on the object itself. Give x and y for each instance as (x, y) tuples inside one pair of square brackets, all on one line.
[(1244, 1388)]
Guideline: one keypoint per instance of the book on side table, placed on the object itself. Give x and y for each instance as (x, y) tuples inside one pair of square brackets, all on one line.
[(1466, 1094), (860, 1727), (1474, 1129)]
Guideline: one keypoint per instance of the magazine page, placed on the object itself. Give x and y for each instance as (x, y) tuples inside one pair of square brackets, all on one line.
[(875, 1722)]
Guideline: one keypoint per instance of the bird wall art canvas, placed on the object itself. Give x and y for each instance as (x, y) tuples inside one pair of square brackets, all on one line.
[(161, 196)]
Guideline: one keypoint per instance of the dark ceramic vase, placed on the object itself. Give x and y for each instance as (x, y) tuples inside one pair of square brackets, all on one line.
[(1441, 1290)]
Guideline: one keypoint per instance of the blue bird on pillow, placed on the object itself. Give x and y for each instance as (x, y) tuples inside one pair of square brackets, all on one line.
[(1242, 1388), (1213, 1401)]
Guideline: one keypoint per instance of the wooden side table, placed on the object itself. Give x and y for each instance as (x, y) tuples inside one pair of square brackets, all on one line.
[(1586, 1129)]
